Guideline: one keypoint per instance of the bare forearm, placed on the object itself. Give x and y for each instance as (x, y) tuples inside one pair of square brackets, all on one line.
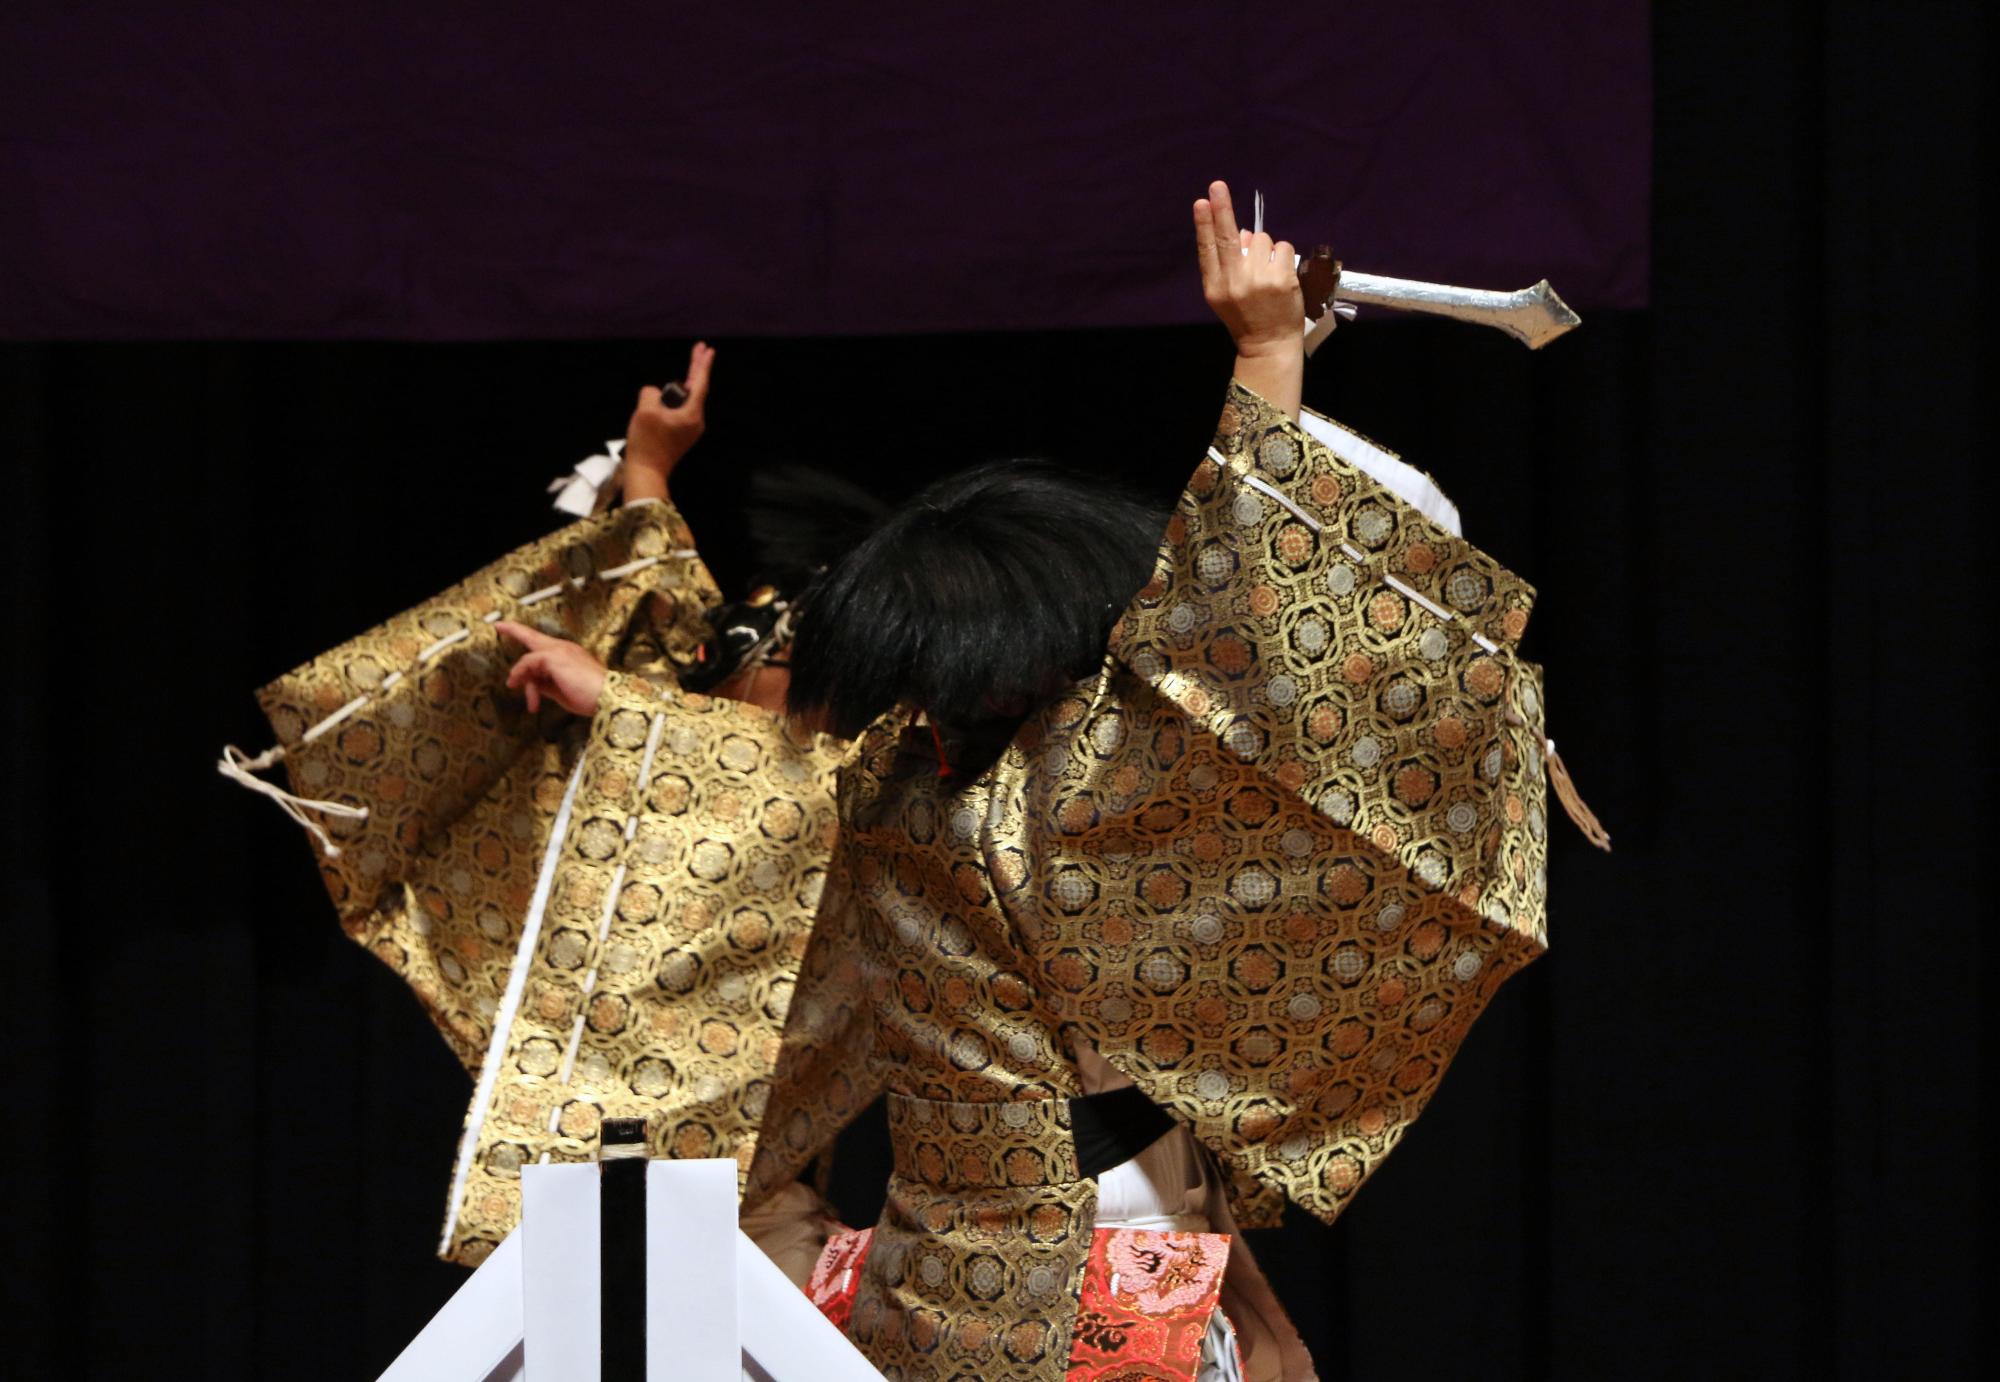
[(1248, 281), (658, 436), (1274, 373), (644, 482)]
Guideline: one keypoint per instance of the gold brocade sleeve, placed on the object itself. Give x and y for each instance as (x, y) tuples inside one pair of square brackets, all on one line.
[(826, 1073), (1283, 850), (654, 980), (688, 883), (413, 721)]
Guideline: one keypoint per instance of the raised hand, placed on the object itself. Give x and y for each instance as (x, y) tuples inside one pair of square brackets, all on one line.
[(657, 436), (1251, 283), (554, 668)]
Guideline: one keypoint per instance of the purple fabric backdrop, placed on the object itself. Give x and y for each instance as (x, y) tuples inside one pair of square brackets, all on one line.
[(466, 171)]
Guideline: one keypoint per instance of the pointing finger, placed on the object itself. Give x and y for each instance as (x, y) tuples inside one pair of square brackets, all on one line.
[(699, 360), (1204, 246), (1224, 211), (532, 639)]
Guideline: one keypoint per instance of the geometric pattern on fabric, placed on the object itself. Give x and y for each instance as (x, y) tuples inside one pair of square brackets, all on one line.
[(681, 896), (683, 899), (1300, 838), (1272, 860), (427, 724), (974, 1283)]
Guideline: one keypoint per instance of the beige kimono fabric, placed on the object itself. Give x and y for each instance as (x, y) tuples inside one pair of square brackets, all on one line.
[(1272, 861), (603, 920)]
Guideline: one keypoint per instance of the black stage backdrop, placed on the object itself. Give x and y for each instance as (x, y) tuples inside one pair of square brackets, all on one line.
[(1724, 1129)]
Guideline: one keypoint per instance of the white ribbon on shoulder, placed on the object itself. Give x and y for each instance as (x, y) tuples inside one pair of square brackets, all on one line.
[(592, 484)]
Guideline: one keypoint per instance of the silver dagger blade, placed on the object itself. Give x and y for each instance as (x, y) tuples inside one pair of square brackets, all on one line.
[(1533, 316)]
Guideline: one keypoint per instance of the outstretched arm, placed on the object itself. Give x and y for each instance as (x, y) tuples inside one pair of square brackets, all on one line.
[(1250, 283), (1337, 673), (657, 436)]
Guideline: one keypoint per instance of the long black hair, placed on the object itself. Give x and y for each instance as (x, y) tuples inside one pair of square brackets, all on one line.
[(975, 601)]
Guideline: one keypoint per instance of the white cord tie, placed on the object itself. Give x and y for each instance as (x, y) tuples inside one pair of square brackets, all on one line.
[(447, 641), (242, 769)]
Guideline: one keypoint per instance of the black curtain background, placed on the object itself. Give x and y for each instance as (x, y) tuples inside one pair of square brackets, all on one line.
[(1724, 1129)]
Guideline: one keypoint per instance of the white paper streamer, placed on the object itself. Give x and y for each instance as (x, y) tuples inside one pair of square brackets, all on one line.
[(589, 487)]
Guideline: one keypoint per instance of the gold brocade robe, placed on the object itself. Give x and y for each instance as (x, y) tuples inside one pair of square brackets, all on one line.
[(1272, 861), (603, 920)]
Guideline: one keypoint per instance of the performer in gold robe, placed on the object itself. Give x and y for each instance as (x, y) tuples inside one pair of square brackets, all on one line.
[(1266, 861), (603, 917), (1147, 922)]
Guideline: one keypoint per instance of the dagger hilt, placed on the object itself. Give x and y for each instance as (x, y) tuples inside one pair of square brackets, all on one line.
[(1319, 280)]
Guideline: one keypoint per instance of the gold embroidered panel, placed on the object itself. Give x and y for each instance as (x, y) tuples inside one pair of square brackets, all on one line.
[(958, 1146), (981, 1248), (1295, 839), (413, 718), (660, 980), (659, 976), (451, 929), (974, 1285), (826, 1073), (1361, 656), (956, 1016), (1261, 972)]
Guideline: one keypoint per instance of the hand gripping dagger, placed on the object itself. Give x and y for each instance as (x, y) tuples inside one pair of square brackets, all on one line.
[(1533, 316)]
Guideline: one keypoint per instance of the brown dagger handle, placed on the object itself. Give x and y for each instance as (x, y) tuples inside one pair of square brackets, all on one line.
[(1319, 280)]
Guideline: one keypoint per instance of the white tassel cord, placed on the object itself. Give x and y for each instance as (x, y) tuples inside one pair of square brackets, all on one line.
[(242, 769)]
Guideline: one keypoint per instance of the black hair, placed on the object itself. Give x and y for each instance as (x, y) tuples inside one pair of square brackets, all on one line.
[(976, 601), (796, 519), (799, 519)]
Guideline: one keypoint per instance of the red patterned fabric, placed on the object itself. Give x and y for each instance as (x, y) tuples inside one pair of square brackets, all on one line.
[(836, 1277), (1146, 1302)]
